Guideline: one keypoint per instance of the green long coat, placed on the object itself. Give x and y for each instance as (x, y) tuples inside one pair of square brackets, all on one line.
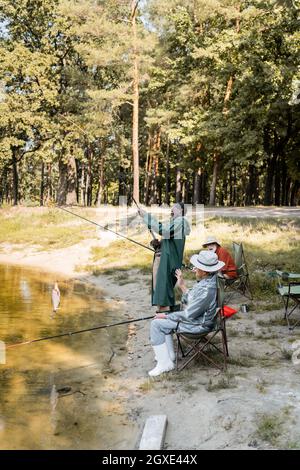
[(172, 247)]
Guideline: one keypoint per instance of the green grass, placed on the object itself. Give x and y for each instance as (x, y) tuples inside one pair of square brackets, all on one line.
[(123, 255), (146, 386), (269, 428), (226, 381), (42, 227), (276, 321)]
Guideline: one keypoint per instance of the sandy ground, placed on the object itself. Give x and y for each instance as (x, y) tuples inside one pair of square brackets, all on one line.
[(255, 405)]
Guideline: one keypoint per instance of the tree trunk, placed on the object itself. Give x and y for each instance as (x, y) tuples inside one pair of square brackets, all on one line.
[(49, 182), (203, 186), (71, 181), (178, 185), (135, 115), (42, 185), (283, 180), (15, 180), (148, 166), (197, 187), (295, 193), (213, 187), (230, 188), (155, 169), (277, 182), (287, 191), (101, 183), (89, 177), (167, 196), (62, 183), (82, 185), (269, 183), (235, 199), (251, 188)]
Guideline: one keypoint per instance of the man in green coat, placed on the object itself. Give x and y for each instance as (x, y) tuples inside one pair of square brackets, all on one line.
[(170, 255)]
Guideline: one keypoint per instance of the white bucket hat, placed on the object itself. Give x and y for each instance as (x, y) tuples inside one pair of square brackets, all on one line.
[(209, 240), (207, 260)]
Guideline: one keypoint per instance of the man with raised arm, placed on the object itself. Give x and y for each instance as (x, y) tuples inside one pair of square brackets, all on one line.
[(169, 256)]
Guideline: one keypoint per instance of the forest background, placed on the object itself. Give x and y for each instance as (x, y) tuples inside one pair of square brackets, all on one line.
[(193, 100)]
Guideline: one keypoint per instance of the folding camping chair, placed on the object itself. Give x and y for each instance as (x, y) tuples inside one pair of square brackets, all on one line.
[(192, 345), (242, 282), (289, 289)]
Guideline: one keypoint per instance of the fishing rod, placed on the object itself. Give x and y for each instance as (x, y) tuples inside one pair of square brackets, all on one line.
[(138, 207), (155, 242), (46, 338), (105, 228)]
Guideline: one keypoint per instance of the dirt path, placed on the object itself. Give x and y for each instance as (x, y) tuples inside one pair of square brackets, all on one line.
[(254, 405), (253, 212)]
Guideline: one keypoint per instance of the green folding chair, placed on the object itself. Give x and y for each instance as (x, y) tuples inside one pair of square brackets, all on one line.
[(288, 287), (191, 346), (240, 284)]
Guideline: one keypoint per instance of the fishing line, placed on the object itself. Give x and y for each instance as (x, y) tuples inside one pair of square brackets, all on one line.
[(105, 228), (150, 230)]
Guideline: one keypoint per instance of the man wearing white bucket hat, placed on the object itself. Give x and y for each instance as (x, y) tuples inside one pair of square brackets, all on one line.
[(198, 316)]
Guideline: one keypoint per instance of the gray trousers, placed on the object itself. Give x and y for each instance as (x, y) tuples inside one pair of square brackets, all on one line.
[(159, 329), (162, 326)]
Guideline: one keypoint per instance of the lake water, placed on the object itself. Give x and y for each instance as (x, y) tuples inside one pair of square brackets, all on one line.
[(60, 393)]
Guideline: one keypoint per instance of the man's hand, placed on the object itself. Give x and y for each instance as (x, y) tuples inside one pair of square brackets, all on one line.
[(180, 280), (159, 316), (179, 275), (155, 244)]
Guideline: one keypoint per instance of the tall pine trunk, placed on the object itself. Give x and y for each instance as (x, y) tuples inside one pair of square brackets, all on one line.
[(178, 195), (167, 195), (82, 185), (283, 181), (212, 194), (135, 114), (101, 183), (71, 181), (295, 193), (62, 183), (277, 182), (42, 184), (15, 180), (269, 182), (197, 187), (148, 167)]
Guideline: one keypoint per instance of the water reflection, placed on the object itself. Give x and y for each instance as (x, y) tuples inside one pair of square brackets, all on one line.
[(52, 393)]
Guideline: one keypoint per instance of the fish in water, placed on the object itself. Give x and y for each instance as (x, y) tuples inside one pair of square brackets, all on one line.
[(55, 297)]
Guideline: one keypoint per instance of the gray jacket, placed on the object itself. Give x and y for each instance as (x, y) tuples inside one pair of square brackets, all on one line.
[(201, 305)]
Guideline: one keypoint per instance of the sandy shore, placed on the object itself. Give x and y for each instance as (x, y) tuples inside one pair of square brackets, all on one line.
[(205, 408)]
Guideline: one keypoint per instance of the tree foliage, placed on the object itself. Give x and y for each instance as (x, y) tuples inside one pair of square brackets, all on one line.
[(218, 101)]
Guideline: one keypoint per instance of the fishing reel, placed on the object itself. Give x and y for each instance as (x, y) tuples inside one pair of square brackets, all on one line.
[(156, 244)]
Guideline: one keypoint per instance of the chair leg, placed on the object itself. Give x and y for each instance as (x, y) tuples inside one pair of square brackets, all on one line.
[(225, 351), (198, 349), (225, 339), (288, 314)]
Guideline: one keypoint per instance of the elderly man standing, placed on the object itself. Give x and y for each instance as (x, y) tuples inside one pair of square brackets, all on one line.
[(198, 317), (170, 255)]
